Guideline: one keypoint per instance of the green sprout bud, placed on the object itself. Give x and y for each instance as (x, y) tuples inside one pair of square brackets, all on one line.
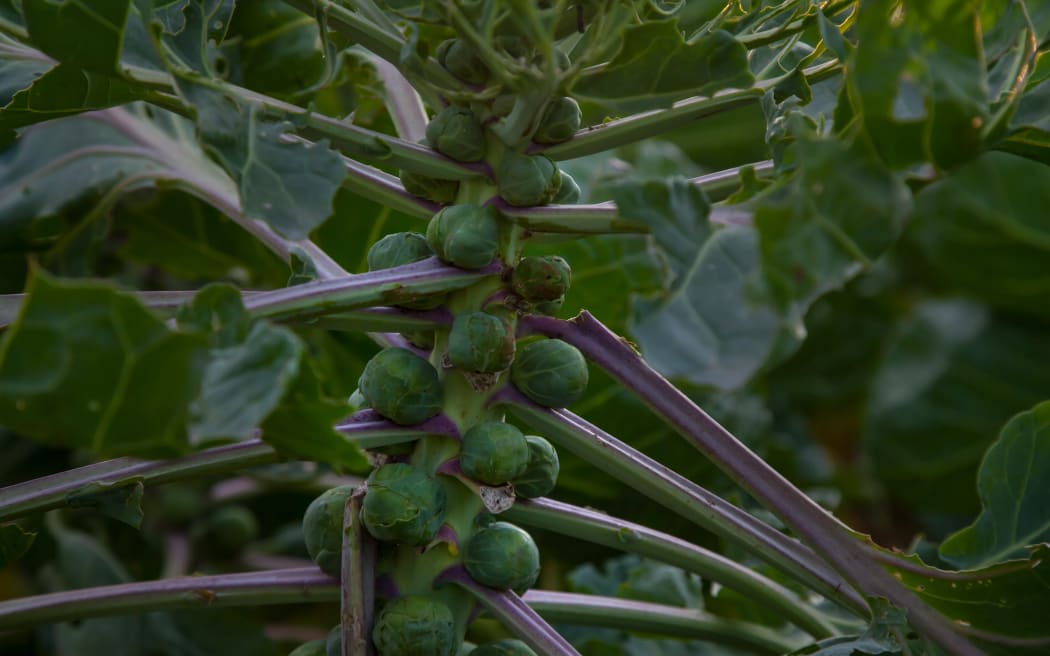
[(551, 373), (402, 504), (333, 644), (493, 452), (481, 342), (465, 236), (232, 527), (541, 278), (415, 626), (541, 473), (323, 528), (457, 133), (568, 190), (560, 121), (398, 249), (433, 189), (460, 59), (502, 556), (506, 647), (527, 180), (312, 648), (401, 386)]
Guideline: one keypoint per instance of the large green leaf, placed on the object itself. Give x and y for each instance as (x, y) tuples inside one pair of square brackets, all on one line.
[(655, 66), (88, 33), (951, 376), (834, 216), (984, 231), (1012, 482), (87, 366)]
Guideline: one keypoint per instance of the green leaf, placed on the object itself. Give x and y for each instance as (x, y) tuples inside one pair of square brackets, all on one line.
[(121, 500), (950, 378), (918, 80), (87, 366), (880, 637), (90, 34), (14, 542), (632, 577), (217, 309), (655, 66), (1014, 495), (291, 186), (279, 47), (829, 221), (983, 230)]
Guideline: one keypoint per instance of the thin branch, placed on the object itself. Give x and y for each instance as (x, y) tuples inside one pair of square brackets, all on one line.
[(821, 530), (357, 594), (683, 497), (514, 613), (658, 619), (600, 218), (608, 531)]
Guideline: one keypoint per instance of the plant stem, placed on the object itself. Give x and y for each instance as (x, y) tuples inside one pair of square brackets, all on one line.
[(658, 619), (408, 282), (822, 531), (402, 102), (599, 218), (514, 613), (48, 492), (634, 538), (683, 497), (357, 593)]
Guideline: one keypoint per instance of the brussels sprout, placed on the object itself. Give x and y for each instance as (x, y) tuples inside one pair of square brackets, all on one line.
[(561, 120), (526, 180), (493, 452), (333, 644), (397, 249), (506, 647), (402, 504), (460, 59), (481, 342), (323, 528), (550, 372), (401, 386), (232, 527), (456, 132), (541, 473), (466, 236), (312, 648), (568, 190), (541, 278), (433, 189), (415, 626), (502, 556)]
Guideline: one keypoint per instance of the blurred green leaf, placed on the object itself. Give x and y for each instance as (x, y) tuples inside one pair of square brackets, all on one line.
[(1012, 483), (983, 230), (121, 500), (279, 47), (881, 636), (87, 366), (631, 577), (14, 541), (952, 374), (655, 66)]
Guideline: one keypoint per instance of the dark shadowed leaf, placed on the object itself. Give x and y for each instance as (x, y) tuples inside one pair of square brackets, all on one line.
[(14, 542), (90, 34), (121, 500), (1015, 495)]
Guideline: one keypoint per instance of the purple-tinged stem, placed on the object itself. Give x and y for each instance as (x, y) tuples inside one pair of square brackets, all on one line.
[(683, 497), (598, 218), (658, 619), (599, 528), (514, 613), (402, 102), (357, 593), (822, 531), (408, 282), (301, 585)]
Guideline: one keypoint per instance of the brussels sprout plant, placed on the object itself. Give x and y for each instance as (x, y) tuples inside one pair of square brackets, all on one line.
[(534, 328)]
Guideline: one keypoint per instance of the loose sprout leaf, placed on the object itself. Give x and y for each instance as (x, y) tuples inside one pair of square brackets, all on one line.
[(714, 330), (983, 229), (88, 33), (291, 186), (1012, 483), (121, 500), (833, 217), (952, 373), (14, 542), (87, 366), (656, 66)]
